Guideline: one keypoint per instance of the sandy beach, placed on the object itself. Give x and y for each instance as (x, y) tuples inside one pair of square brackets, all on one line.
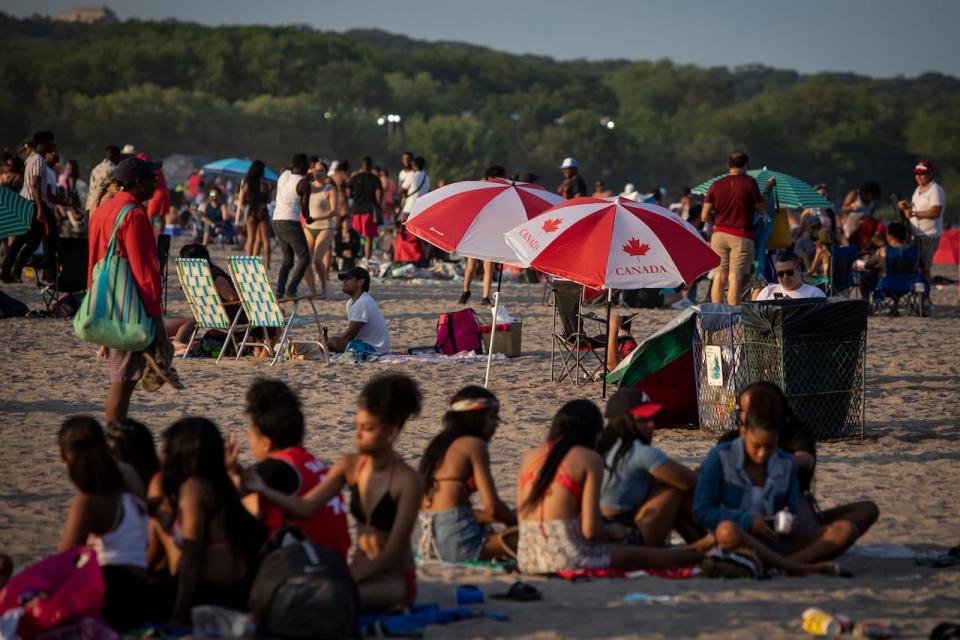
[(907, 462)]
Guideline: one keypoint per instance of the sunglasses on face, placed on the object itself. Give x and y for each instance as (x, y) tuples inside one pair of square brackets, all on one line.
[(786, 273)]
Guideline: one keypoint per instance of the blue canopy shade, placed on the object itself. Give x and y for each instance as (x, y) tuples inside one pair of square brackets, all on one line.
[(235, 168)]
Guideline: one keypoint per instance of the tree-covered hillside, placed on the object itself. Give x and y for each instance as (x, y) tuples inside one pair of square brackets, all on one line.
[(271, 91)]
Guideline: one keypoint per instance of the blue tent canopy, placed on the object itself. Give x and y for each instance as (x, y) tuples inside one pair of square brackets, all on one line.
[(235, 168)]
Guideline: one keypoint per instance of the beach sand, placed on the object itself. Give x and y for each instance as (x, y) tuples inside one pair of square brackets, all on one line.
[(907, 462)]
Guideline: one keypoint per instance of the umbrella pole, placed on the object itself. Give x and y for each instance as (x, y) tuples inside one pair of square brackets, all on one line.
[(609, 300), (493, 329)]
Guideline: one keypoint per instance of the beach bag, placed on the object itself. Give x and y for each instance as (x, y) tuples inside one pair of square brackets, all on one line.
[(55, 591), (458, 331), (780, 237), (111, 313), (304, 590), (407, 247)]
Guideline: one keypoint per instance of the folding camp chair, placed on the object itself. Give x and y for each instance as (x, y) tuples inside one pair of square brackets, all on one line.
[(843, 276), (901, 280), (71, 257), (581, 358), (263, 309), (163, 257), (208, 309)]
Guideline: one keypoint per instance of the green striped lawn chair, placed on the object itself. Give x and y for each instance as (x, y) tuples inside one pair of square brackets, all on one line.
[(205, 303), (262, 307)]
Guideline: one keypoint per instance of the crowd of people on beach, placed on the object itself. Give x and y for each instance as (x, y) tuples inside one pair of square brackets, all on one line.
[(326, 217), (185, 526)]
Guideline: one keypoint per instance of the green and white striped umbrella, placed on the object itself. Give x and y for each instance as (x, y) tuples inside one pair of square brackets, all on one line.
[(790, 191), (16, 213)]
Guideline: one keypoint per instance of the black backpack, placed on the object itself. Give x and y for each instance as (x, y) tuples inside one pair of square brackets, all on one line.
[(304, 590)]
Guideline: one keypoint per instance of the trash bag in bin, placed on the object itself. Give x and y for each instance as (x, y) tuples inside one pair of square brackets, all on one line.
[(821, 349)]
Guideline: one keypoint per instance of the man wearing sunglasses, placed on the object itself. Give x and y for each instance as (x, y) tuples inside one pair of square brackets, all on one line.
[(789, 284)]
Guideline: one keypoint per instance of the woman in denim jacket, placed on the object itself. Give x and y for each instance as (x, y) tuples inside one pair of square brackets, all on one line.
[(742, 485)]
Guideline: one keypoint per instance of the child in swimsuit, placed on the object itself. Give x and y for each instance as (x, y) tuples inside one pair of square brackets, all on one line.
[(109, 514), (643, 488), (456, 465), (742, 485), (559, 496), (385, 494)]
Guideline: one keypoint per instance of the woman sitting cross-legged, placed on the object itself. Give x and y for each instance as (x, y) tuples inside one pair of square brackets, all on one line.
[(643, 488), (559, 496), (743, 484), (455, 465), (767, 399), (385, 494)]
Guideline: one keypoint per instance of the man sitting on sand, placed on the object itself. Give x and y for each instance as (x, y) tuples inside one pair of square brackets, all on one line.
[(789, 282), (367, 331)]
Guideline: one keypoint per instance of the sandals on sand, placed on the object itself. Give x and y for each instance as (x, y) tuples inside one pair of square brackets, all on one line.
[(156, 375), (520, 592)]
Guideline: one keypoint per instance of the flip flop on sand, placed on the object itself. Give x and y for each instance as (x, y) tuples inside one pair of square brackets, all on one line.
[(165, 373), (520, 592)]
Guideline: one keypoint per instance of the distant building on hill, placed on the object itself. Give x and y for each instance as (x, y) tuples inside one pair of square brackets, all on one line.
[(88, 14)]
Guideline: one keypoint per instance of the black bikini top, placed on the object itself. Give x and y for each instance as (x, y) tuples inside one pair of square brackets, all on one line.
[(383, 514)]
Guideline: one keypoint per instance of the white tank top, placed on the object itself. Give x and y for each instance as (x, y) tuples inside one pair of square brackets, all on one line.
[(288, 201), (126, 544), (320, 207)]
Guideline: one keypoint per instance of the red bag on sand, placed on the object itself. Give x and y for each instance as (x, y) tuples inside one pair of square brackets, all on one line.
[(407, 247), (59, 589), (458, 331)]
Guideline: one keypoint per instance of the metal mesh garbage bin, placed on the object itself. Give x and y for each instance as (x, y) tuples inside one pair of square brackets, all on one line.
[(814, 349), (717, 353)]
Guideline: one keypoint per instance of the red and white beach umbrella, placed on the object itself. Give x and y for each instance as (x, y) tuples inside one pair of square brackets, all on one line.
[(471, 217), (613, 243)]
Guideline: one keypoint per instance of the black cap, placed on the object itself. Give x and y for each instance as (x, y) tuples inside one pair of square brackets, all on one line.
[(130, 170), (633, 401), (355, 272)]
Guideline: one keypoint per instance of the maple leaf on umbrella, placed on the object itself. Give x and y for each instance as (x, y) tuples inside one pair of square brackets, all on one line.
[(634, 248), (551, 225)]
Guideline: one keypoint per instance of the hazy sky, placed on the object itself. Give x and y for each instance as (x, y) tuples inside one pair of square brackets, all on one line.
[(879, 38)]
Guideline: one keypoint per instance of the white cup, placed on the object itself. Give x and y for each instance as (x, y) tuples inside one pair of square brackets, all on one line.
[(783, 523)]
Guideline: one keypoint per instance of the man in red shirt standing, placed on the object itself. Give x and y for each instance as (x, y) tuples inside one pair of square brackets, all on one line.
[(735, 198), (136, 243)]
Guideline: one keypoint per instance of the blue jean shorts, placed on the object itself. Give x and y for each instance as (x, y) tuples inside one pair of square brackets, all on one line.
[(452, 535)]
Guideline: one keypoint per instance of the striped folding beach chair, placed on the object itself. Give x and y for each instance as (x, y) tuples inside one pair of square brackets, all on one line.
[(208, 309), (263, 308)]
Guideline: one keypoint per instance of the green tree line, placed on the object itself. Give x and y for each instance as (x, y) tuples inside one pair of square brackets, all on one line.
[(268, 92)]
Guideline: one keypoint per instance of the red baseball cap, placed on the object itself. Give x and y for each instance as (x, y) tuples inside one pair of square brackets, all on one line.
[(633, 401), (923, 168)]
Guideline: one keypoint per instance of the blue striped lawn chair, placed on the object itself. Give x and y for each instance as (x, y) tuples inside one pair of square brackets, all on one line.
[(262, 307), (208, 309)]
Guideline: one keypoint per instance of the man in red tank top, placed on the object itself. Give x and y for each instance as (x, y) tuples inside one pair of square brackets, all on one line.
[(276, 433)]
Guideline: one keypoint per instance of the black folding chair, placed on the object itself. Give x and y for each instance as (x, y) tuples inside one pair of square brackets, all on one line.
[(843, 276), (163, 257), (574, 355), (70, 257)]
